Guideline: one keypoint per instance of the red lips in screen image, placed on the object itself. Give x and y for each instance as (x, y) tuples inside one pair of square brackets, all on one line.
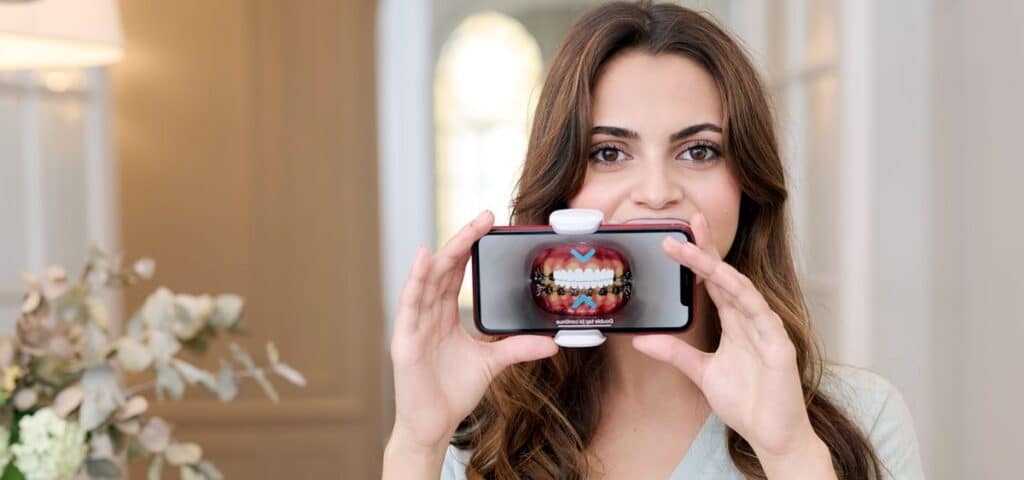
[(580, 279)]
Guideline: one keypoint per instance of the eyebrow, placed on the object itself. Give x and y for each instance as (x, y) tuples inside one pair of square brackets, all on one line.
[(684, 133)]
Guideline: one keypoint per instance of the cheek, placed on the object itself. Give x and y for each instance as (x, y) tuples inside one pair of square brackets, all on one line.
[(720, 203), (602, 193)]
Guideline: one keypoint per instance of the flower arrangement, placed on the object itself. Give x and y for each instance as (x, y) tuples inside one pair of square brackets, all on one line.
[(65, 411)]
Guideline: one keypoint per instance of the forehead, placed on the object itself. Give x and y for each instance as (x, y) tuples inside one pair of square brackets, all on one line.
[(655, 94)]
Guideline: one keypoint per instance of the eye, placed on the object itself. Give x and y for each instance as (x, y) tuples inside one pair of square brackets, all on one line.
[(607, 155), (701, 152)]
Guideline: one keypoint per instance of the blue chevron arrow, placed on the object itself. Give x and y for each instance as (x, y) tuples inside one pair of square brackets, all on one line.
[(582, 299), (583, 258)]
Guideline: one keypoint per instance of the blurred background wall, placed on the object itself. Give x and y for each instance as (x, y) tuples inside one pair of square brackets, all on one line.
[(298, 152), (978, 328), (245, 145)]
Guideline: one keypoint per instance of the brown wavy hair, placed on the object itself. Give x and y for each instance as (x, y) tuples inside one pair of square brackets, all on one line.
[(536, 418)]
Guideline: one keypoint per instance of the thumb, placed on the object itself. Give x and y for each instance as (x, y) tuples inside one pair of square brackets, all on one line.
[(674, 351), (521, 348)]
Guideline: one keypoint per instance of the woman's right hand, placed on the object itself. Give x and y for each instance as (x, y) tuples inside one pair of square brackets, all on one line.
[(441, 372)]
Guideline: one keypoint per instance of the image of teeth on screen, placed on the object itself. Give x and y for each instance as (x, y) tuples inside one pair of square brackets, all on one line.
[(606, 281)]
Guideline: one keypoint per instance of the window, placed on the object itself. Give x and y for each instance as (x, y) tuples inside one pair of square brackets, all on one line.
[(803, 76), (485, 87), (55, 199), (795, 44)]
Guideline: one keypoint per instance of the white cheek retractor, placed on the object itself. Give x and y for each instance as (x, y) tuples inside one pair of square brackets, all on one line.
[(577, 221)]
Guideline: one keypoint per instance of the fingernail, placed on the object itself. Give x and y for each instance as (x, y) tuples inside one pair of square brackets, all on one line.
[(481, 216)]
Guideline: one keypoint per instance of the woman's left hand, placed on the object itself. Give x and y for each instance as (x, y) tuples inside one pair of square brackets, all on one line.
[(751, 381)]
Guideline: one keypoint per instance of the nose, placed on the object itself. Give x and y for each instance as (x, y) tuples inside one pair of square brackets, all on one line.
[(655, 189)]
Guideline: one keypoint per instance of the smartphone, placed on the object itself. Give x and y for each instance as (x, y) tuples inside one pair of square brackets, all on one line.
[(529, 279)]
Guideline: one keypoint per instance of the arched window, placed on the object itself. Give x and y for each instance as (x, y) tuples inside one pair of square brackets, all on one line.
[(485, 88)]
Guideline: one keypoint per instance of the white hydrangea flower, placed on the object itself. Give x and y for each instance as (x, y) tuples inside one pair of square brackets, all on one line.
[(5, 451), (49, 447)]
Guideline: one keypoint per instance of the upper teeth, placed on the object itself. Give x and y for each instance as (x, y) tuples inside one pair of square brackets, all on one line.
[(584, 278)]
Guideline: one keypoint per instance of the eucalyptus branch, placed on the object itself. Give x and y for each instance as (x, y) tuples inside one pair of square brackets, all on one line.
[(237, 374), (63, 370)]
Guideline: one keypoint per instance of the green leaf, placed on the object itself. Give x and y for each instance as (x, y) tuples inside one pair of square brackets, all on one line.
[(289, 373), (155, 435), (178, 454), (272, 354), (101, 396), (94, 345), (136, 325), (132, 355), (158, 309), (190, 315), (226, 387), (12, 473), (209, 471), (97, 311), (102, 468), (163, 345), (194, 374), (238, 328), (227, 309), (118, 440), (242, 356), (167, 379), (187, 472), (268, 388), (135, 450), (100, 444), (201, 342), (155, 467)]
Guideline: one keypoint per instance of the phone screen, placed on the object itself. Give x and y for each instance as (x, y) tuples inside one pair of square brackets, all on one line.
[(616, 279)]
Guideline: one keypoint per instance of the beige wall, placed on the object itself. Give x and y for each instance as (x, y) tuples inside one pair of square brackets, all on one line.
[(246, 146), (979, 332)]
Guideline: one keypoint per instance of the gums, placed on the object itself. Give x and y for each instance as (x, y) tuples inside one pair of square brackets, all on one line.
[(580, 279)]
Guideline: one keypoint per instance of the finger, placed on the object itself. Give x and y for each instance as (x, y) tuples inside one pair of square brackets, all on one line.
[(450, 286), (728, 286), (729, 317), (734, 326), (772, 329), (669, 349), (729, 281), (702, 235), (519, 348), (738, 289), (452, 283), (731, 285), (429, 299), (461, 243), (412, 292), (701, 263), (447, 257)]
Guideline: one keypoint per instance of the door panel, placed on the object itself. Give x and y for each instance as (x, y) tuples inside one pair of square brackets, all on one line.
[(247, 153)]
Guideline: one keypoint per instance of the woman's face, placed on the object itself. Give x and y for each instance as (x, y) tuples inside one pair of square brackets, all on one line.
[(656, 143)]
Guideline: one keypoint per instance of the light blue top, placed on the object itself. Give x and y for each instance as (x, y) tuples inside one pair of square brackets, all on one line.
[(867, 398)]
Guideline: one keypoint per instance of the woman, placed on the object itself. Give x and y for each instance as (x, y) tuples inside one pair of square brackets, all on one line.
[(648, 111)]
